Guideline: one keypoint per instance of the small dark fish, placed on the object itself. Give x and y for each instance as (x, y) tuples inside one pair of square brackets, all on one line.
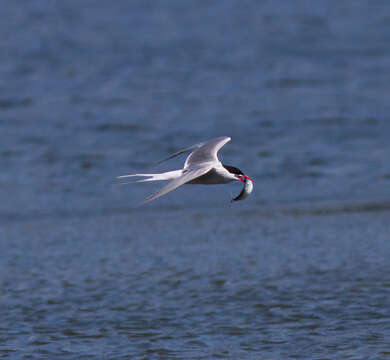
[(246, 190)]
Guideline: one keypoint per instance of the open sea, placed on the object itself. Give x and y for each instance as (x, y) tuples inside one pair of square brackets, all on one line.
[(90, 90)]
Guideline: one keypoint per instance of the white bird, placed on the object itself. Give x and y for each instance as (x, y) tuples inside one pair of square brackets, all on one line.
[(202, 166)]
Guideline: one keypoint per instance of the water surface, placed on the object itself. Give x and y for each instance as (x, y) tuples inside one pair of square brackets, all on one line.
[(94, 90)]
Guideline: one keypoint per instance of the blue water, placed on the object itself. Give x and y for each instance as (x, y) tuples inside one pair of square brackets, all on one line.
[(92, 90)]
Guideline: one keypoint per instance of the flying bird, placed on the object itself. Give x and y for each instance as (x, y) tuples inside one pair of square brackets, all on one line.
[(202, 166)]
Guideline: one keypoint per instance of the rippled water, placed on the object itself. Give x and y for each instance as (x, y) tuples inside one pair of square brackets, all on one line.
[(92, 90)]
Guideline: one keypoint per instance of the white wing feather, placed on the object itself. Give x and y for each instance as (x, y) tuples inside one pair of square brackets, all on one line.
[(174, 184), (207, 152)]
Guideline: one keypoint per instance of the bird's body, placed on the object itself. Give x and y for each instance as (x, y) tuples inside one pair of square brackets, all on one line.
[(216, 175), (202, 166)]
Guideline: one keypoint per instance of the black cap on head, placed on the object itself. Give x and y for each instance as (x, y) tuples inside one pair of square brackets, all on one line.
[(233, 169)]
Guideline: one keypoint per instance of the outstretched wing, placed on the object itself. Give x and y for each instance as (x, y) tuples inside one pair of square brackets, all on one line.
[(183, 151), (207, 152), (187, 176)]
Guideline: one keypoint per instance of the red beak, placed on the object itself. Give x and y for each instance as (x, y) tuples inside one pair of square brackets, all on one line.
[(247, 177), (243, 178)]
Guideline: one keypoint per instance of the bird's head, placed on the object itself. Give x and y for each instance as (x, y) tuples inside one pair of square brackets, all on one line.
[(238, 174), (243, 178)]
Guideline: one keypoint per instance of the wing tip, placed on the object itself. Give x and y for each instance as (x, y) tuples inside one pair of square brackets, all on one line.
[(226, 138), (124, 176)]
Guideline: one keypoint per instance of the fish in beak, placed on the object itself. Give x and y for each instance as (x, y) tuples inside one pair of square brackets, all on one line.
[(246, 190)]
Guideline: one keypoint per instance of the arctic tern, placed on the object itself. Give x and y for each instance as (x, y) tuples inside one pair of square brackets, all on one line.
[(202, 166)]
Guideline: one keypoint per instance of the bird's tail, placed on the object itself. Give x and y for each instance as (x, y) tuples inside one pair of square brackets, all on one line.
[(170, 175)]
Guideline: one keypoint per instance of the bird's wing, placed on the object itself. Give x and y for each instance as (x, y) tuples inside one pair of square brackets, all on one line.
[(187, 176), (183, 151), (207, 152)]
